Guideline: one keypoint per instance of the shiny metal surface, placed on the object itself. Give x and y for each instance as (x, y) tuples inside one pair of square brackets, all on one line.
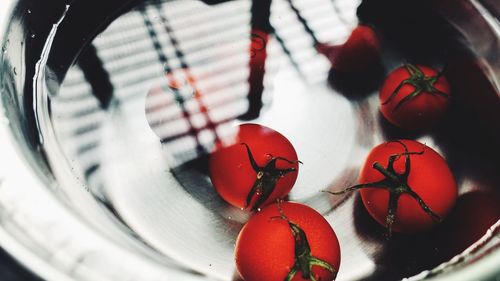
[(100, 186)]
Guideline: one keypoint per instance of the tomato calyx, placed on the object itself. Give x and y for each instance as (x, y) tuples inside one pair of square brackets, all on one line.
[(304, 260), (420, 82), (266, 179), (396, 184)]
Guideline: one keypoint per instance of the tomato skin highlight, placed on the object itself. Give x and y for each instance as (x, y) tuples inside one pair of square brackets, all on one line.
[(430, 177), (230, 169), (265, 246), (421, 112)]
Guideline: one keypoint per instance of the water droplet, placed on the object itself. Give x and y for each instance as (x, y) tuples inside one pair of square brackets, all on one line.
[(4, 47), (229, 218), (29, 11), (33, 35), (258, 209)]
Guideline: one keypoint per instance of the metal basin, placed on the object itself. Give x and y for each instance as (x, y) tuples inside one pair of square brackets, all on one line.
[(104, 173)]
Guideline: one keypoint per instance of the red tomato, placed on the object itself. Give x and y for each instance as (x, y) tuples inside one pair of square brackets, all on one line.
[(406, 186), (473, 214), (428, 177), (414, 97), (259, 166), (284, 240), (360, 52)]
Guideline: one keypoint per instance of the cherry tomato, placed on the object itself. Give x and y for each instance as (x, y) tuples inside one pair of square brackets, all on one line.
[(360, 52), (287, 241), (414, 97), (259, 166), (471, 217), (406, 186)]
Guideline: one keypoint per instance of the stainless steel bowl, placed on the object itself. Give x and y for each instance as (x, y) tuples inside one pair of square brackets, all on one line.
[(104, 178)]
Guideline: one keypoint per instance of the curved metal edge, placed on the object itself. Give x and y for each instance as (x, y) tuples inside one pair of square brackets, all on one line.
[(28, 259), (19, 252), (37, 230), (494, 25), (458, 13), (486, 269)]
